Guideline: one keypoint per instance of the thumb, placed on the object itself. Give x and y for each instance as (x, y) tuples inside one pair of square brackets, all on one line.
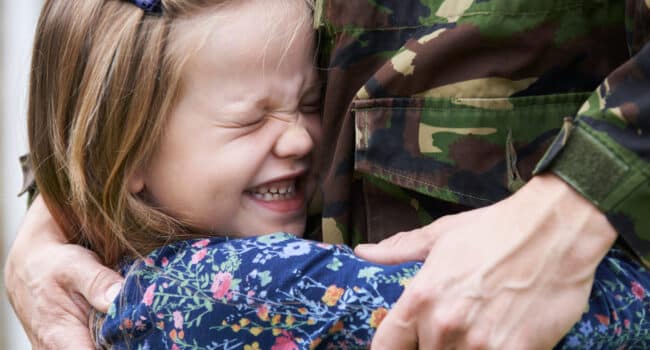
[(404, 246), (98, 284)]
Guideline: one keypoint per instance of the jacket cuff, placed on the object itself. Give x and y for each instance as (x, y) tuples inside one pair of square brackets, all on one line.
[(610, 176)]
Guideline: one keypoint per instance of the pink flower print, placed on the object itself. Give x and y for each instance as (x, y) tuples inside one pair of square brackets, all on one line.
[(175, 347), (149, 262), (263, 312), (638, 290), (165, 261), (221, 284), (201, 244), (284, 343), (198, 256), (178, 319), (249, 296), (147, 299)]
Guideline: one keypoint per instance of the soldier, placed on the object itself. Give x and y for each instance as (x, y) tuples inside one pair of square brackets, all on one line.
[(506, 140), (441, 107)]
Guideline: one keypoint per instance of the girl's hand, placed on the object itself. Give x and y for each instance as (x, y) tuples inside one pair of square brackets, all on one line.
[(513, 275), (52, 284)]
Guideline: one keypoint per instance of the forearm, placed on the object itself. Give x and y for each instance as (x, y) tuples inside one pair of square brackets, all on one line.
[(604, 152)]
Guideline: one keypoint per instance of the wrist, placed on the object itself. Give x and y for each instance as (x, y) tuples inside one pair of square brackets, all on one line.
[(583, 229)]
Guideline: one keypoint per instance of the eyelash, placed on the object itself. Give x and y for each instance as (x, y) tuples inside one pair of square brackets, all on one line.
[(311, 108), (257, 122)]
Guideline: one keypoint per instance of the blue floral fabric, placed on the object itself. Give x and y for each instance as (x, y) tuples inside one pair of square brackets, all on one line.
[(281, 292)]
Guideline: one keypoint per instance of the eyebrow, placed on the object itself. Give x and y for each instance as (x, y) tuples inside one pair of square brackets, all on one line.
[(315, 86)]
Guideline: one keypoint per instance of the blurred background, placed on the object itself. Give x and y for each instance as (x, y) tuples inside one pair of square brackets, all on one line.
[(17, 24)]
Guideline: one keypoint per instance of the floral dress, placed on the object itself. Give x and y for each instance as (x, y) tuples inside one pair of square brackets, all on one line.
[(281, 292)]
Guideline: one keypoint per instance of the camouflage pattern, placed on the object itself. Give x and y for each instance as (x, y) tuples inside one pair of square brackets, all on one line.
[(438, 106)]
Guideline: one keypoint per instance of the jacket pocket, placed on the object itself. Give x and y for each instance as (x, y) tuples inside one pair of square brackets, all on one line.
[(472, 151)]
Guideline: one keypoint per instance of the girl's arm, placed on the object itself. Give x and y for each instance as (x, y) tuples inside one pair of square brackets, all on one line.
[(275, 290)]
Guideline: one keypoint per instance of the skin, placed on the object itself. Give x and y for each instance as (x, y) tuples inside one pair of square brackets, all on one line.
[(523, 267), (246, 120), (51, 284), (242, 122), (483, 268), (494, 280)]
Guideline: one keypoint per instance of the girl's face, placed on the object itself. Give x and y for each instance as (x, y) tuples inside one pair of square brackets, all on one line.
[(236, 156)]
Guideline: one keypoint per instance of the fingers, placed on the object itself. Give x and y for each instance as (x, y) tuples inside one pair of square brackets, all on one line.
[(98, 284), (405, 246), (46, 279), (397, 330)]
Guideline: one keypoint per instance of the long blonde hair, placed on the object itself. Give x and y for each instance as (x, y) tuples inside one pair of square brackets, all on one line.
[(104, 77)]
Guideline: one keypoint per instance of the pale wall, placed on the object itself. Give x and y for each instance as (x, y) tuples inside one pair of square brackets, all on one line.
[(17, 23)]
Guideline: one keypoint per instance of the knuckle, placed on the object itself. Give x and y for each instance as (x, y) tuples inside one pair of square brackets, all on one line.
[(420, 297), (448, 322), (478, 340), (99, 279), (400, 239)]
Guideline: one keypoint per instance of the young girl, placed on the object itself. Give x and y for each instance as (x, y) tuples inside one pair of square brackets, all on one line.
[(155, 124)]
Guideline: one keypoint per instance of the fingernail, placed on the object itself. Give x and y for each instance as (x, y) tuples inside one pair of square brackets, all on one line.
[(364, 246), (112, 292)]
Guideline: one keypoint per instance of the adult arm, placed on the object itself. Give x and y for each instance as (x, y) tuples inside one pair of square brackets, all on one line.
[(515, 263), (52, 285), (499, 288)]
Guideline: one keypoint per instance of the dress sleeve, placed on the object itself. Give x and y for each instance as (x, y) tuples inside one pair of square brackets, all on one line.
[(604, 151), (269, 292)]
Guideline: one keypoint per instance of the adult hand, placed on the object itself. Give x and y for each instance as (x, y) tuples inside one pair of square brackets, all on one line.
[(51, 284), (513, 275)]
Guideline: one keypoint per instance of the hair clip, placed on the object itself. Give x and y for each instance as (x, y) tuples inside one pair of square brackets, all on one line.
[(149, 6)]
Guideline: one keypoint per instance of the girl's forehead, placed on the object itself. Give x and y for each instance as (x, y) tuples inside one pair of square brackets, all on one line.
[(251, 50), (240, 26), (261, 36)]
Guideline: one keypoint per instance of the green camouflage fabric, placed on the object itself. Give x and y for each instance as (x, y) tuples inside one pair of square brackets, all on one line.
[(438, 106)]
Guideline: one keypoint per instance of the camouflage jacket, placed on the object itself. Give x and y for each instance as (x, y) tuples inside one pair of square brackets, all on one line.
[(437, 106)]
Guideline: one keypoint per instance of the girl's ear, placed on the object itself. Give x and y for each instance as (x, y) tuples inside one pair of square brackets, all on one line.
[(136, 182)]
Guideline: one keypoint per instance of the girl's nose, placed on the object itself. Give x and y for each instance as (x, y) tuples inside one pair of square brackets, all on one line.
[(295, 142)]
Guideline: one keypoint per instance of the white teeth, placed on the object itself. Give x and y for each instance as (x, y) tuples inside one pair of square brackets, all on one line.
[(269, 196), (280, 188), (279, 191)]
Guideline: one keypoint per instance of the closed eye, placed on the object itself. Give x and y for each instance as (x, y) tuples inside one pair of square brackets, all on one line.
[(241, 124), (310, 108)]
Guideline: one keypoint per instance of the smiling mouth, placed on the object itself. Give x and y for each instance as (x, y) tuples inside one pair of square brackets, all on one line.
[(276, 191), (284, 196)]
